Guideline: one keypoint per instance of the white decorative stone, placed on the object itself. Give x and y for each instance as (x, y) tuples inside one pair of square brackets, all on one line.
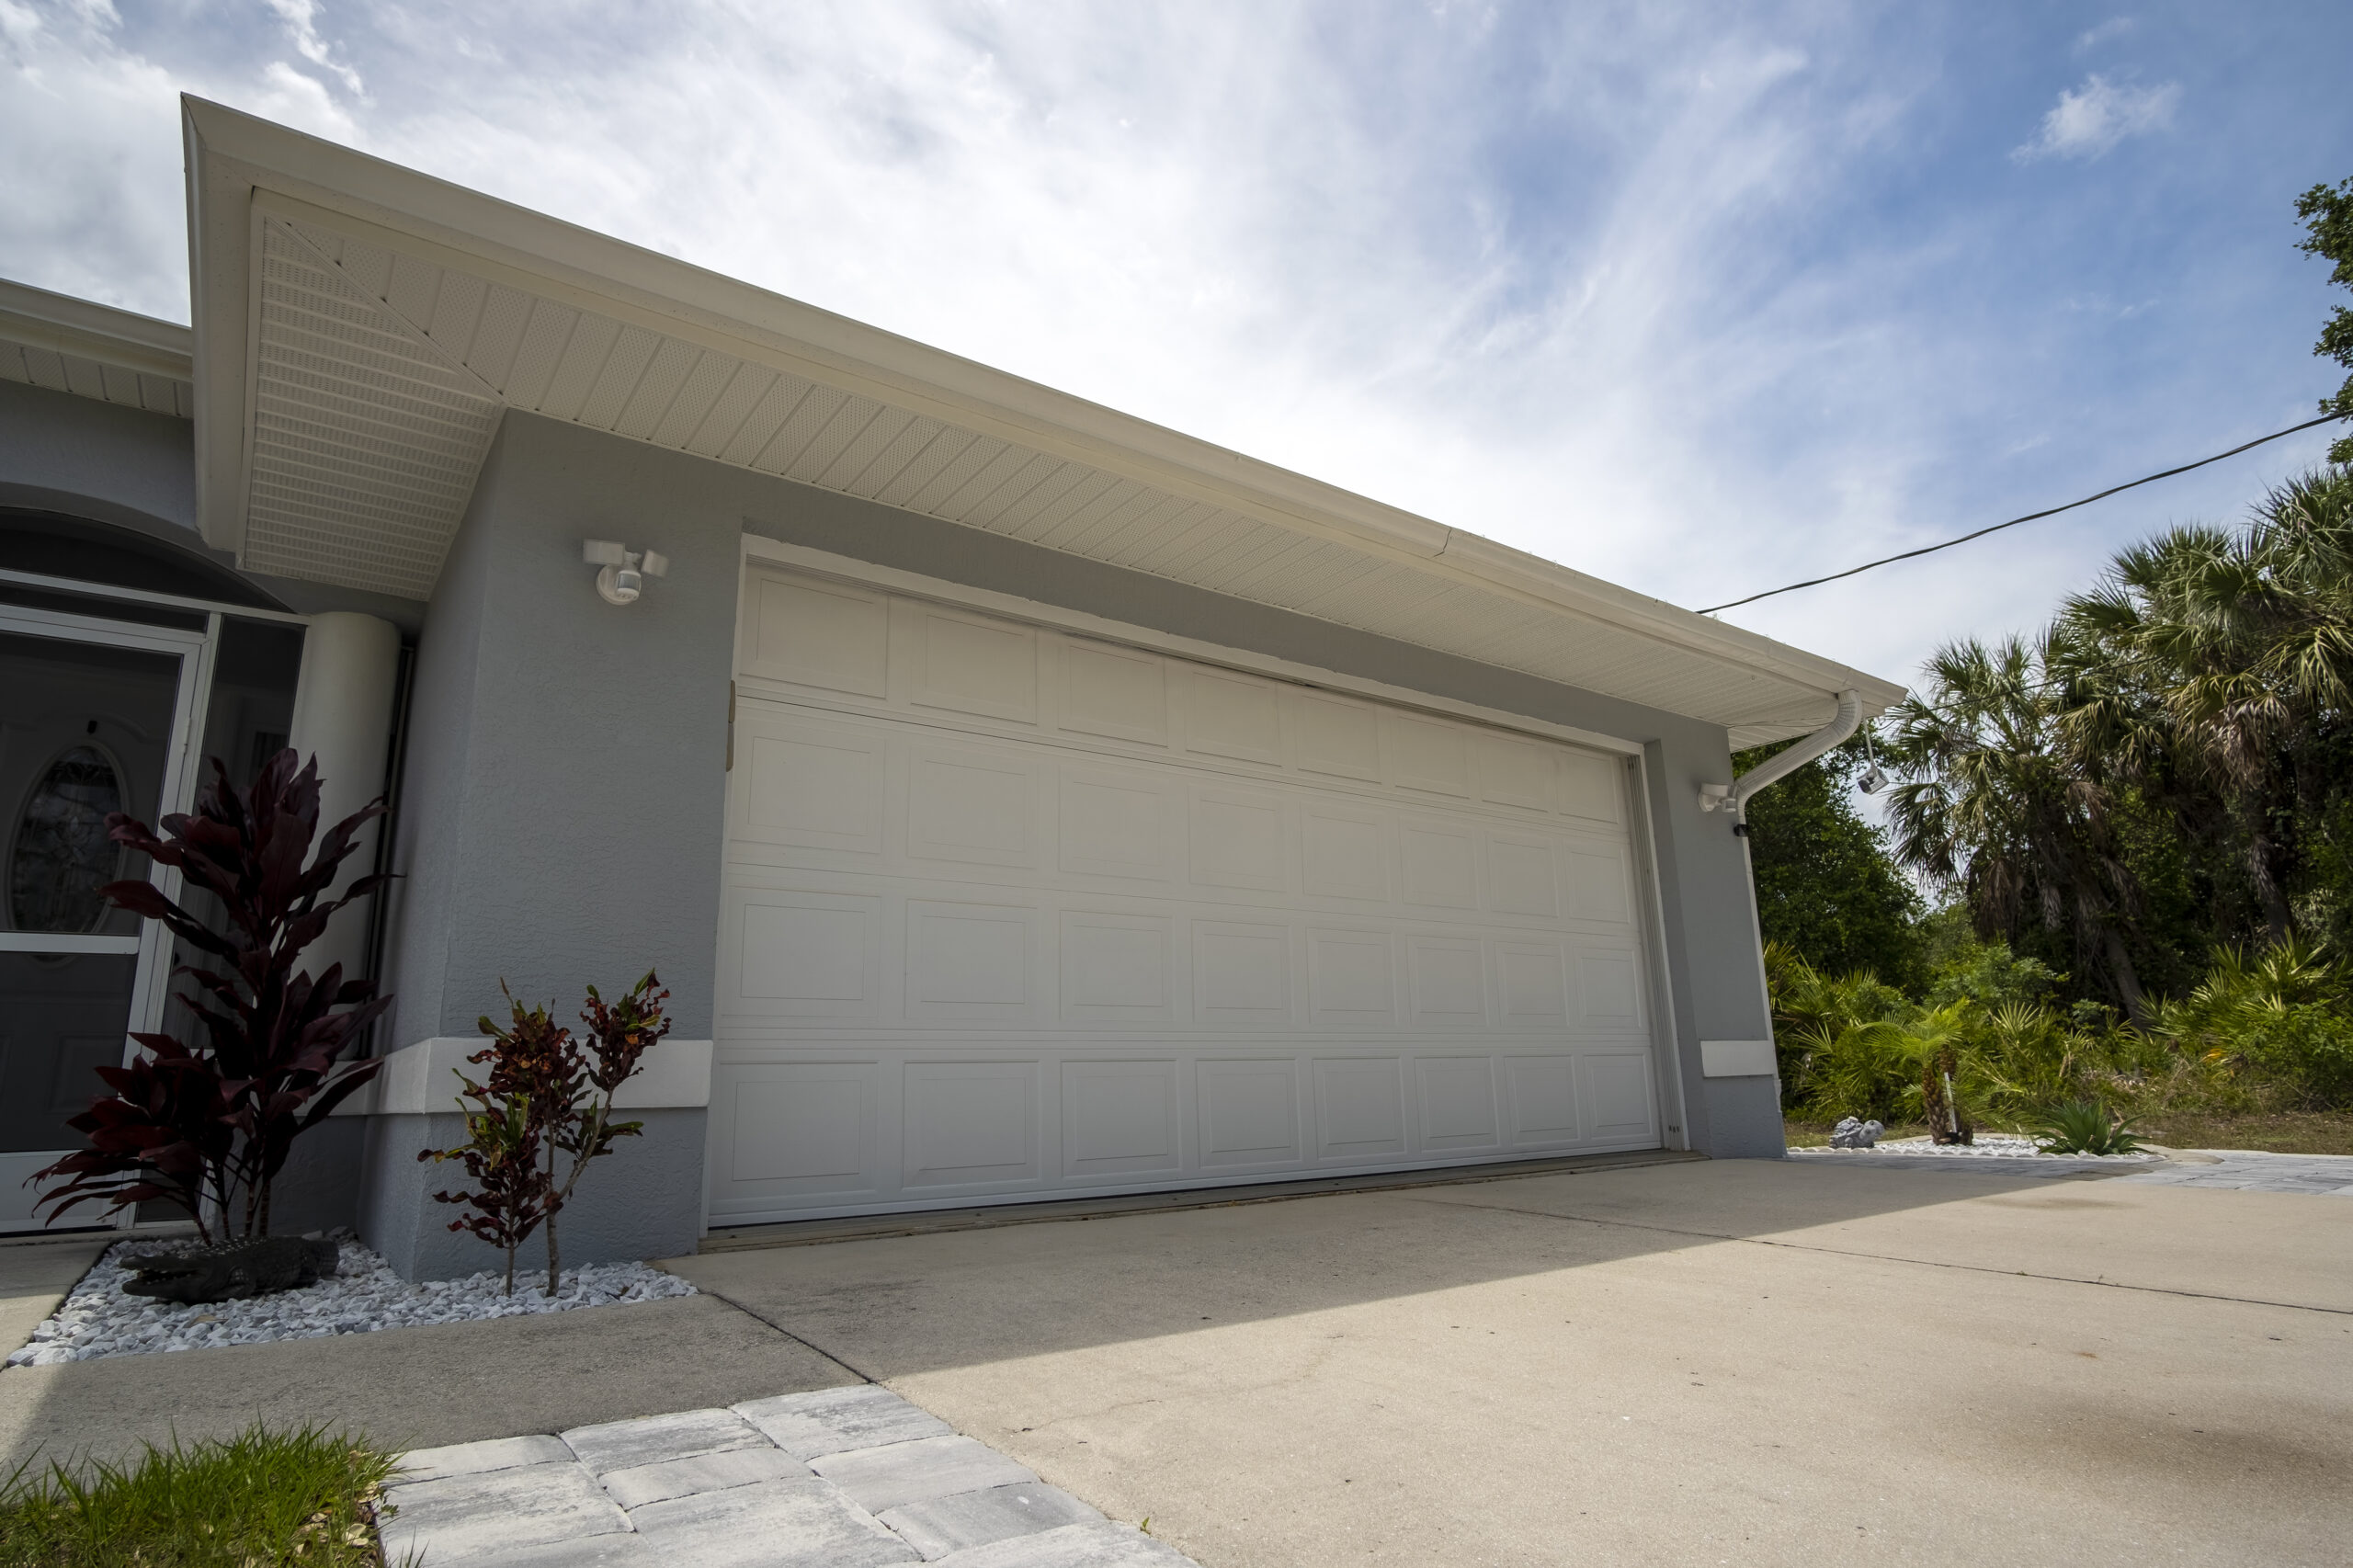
[(98, 1319)]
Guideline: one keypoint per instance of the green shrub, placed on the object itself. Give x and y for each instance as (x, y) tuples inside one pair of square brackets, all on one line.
[(2265, 1032), (2085, 1127), (260, 1500)]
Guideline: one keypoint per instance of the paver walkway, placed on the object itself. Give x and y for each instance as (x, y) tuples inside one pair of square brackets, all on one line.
[(841, 1478), (2248, 1170)]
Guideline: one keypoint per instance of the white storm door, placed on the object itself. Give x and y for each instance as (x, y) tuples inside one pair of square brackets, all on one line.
[(96, 716)]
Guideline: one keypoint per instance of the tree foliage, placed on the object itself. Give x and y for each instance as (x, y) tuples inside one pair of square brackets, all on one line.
[(1827, 889), (2328, 219)]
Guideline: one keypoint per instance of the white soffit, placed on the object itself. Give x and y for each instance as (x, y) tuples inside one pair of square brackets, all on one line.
[(387, 320), (95, 351)]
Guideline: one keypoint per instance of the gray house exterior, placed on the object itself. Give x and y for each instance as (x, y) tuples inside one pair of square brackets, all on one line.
[(1018, 800)]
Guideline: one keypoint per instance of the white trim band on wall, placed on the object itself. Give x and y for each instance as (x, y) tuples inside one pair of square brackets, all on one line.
[(420, 1079), (1736, 1059)]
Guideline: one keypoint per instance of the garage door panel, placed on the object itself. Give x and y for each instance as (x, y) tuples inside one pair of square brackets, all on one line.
[(976, 961), (1521, 877), (809, 784), (1351, 978), (1590, 788), (1115, 693), (1437, 864), (1242, 974), (971, 806), (1543, 1099), (1618, 1088), (1232, 717), (1599, 887), (1458, 1103), (1335, 738), (971, 1123), (1433, 758), (1118, 969), (1447, 983), (972, 665), (1237, 840), (1344, 852), (1249, 1113), (825, 636), (1359, 1108), (1609, 988), (1121, 1119), (1010, 914), (1117, 824), (802, 954), (1514, 774), (805, 1129), (1532, 985)]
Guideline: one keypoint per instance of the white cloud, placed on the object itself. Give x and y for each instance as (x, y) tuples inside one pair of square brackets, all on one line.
[(2114, 28), (1596, 281), (2088, 121), (302, 20)]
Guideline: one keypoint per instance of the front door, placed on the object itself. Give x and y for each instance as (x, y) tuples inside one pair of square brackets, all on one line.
[(94, 718)]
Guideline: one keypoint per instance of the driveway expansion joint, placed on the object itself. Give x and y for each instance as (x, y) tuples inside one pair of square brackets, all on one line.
[(838, 1478)]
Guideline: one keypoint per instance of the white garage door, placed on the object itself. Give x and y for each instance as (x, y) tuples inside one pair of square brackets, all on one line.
[(1011, 913)]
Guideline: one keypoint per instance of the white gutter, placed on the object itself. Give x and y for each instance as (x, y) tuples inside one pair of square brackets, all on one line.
[(1734, 797)]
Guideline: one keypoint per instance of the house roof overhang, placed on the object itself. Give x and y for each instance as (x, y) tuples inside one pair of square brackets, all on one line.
[(93, 350), (360, 329)]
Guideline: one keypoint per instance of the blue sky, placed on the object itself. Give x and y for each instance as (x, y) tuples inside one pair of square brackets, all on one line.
[(1699, 297)]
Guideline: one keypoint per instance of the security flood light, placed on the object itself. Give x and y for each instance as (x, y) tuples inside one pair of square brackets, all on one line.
[(623, 570)]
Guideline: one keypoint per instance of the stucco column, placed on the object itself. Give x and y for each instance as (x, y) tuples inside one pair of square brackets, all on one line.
[(342, 715)]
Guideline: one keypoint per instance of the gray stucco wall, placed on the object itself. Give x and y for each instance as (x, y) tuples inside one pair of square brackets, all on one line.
[(77, 454)]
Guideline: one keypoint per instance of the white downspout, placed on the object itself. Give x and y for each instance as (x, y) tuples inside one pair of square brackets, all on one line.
[(1734, 797)]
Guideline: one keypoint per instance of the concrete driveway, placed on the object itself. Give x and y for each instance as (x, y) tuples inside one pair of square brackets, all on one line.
[(1741, 1362), (1736, 1362)]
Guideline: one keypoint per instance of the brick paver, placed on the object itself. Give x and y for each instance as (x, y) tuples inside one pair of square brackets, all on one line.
[(796, 1482)]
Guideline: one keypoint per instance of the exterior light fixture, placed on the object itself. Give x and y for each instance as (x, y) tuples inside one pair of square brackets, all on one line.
[(623, 571)]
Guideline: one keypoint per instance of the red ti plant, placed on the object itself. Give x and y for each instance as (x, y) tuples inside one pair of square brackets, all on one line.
[(206, 1123), (544, 1111)]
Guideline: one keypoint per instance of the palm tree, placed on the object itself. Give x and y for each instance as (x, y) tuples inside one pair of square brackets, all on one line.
[(1990, 806), (2204, 666)]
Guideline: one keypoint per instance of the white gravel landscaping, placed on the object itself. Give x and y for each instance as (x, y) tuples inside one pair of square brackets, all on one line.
[(98, 1319), (1989, 1146)]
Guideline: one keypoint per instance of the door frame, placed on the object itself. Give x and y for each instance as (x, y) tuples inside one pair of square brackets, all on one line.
[(152, 978)]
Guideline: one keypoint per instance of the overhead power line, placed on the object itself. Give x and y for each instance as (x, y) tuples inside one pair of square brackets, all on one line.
[(2030, 516)]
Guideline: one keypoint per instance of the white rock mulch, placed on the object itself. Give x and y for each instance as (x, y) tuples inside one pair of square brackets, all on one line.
[(98, 1319), (1989, 1146)]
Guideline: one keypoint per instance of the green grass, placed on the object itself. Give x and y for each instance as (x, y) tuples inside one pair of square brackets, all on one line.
[(261, 1500)]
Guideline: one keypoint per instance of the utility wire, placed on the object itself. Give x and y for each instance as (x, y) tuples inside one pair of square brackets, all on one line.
[(2030, 516)]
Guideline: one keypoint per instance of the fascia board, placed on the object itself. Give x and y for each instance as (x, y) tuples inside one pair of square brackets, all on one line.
[(221, 283), (92, 331), (662, 293)]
